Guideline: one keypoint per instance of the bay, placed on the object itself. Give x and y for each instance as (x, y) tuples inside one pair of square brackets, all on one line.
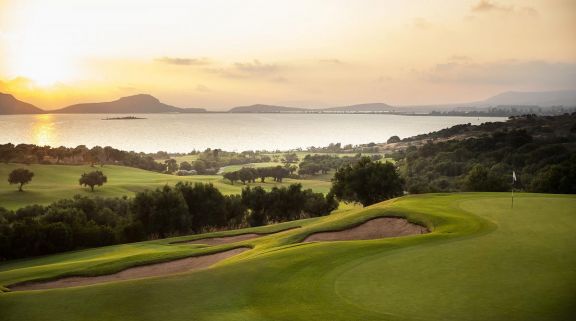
[(233, 132)]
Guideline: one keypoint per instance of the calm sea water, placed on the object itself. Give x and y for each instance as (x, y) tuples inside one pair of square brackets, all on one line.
[(233, 132)]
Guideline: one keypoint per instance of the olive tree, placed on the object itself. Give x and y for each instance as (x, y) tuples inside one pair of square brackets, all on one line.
[(367, 182), (20, 176), (95, 178)]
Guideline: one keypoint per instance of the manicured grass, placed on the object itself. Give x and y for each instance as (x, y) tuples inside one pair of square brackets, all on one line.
[(483, 261), (233, 168), (186, 158), (53, 182)]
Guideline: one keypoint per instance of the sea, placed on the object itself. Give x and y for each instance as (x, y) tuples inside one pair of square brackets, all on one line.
[(182, 133)]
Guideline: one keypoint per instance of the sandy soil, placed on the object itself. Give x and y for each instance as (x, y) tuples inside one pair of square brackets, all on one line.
[(374, 229), (158, 269)]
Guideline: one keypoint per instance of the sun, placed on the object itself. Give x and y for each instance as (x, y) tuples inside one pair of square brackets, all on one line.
[(43, 68)]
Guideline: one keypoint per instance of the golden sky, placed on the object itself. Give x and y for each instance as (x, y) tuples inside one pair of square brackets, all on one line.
[(222, 53)]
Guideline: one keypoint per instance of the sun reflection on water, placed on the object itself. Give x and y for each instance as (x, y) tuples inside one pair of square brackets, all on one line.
[(43, 130)]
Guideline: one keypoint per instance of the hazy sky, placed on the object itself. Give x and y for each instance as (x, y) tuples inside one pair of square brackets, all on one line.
[(222, 53)]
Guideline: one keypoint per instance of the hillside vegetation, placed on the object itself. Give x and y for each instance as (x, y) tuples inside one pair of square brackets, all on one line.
[(540, 150)]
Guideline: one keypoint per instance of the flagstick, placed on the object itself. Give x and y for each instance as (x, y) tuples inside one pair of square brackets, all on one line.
[(512, 195), (513, 181)]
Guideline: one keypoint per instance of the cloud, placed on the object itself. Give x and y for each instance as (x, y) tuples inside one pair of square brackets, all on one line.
[(331, 61), (17, 83), (255, 67), (183, 61), (279, 79), (384, 79), (128, 88), (487, 6), (421, 23), (528, 11), (203, 89), (252, 69), (505, 73), (459, 58)]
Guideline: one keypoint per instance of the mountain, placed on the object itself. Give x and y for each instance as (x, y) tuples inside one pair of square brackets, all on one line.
[(10, 106), (372, 107), (192, 110), (543, 99), (141, 103), (566, 98), (265, 109), (259, 108)]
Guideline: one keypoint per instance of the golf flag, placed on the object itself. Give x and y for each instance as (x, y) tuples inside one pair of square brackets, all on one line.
[(513, 181)]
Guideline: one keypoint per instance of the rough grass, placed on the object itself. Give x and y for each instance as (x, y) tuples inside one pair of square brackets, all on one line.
[(53, 182), (482, 261)]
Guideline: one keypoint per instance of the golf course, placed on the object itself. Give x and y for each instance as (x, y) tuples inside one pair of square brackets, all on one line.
[(190, 160), (54, 182), (479, 259)]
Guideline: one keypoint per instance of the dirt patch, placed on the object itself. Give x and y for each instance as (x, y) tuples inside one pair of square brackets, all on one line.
[(157, 269), (374, 229)]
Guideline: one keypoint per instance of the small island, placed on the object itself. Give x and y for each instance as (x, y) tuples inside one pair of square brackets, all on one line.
[(122, 118)]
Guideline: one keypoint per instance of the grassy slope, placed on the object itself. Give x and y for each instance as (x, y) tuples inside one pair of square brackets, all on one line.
[(483, 261), (185, 158), (52, 182), (233, 168)]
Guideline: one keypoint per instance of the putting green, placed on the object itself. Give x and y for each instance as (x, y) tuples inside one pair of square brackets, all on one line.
[(53, 182), (482, 261)]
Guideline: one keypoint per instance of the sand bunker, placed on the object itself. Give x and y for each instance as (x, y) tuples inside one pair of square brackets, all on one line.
[(157, 269), (374, 229)]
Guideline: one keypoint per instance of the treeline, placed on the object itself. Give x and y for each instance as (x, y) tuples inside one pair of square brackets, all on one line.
[(508, 111), (83, 222), (312, 164), (250, 175), (543, 163), (210, 161), (559, 126), (337, 148), (33, 154), (322, 164)]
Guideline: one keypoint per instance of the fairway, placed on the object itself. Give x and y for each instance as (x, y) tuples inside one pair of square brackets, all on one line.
[(481, 261), (233, 168), (53, 182)]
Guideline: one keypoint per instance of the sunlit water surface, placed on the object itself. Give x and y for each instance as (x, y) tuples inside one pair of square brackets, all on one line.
[(234, 132)]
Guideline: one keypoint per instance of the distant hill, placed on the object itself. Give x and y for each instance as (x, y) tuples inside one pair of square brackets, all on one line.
[(192, 110), (11, 106), (265, 109), (379, 107), (544, 99), (566, 98), (260, 108), (141, 103)]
